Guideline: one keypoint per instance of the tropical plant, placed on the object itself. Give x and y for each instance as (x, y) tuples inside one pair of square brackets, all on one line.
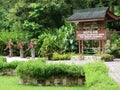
[(70, 43), (16, 36)]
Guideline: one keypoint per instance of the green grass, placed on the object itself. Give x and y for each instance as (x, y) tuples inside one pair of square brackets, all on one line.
[(12, 83)]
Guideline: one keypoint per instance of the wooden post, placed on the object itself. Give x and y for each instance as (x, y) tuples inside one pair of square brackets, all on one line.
[(100, 46), (79, 46), (103, 46), (82, 47), (92, 43)]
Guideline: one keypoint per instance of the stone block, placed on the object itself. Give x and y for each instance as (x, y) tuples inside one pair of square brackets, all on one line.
[(80, 81), (57, 82), (64, 82), (47, 83), (21, 81)]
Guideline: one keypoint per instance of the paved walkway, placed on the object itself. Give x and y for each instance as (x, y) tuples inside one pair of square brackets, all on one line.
[(114, 69)]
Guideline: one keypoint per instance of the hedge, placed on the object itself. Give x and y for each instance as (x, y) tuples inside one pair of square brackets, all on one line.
[(3, 59), (39, 70), (14, 64)]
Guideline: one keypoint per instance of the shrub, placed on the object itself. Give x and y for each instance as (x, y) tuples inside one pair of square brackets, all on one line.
[(97, 78), (64, 70), (11, 65), (57, 56), (42, 60), (38, 70), (14, 64), (107, 57), (3, 59), (33, 68)]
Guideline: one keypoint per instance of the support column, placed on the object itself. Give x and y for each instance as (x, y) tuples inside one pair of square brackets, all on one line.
[(100, 46), (79, 46), (82, 47), (103, 46)]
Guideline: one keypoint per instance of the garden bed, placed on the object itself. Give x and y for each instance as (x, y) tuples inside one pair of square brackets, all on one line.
[(35, 73)]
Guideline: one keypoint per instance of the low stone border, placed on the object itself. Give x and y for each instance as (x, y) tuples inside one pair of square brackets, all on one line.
[(53, 81), (8, 72)]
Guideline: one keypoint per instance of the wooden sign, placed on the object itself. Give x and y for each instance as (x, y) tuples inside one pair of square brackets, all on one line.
[(91, 35)]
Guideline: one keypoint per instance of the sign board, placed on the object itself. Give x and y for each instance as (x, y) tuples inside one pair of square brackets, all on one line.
[(91, 35)]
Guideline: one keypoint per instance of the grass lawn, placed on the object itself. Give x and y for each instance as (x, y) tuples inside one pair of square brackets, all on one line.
[(11, 83)]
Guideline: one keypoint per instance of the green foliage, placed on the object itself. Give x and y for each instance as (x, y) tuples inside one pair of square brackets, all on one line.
[(107, 57), (108, 47), (60, 41), (70, 43), (97, 77), (46, 16), (40, 70), (57, 56), (113, 45), (11, 65), (41, 16), (48, 46), (16, 36), (110, 85), (3, 59)]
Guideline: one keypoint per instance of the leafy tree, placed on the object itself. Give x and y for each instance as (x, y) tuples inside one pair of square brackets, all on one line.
[(39, 16)]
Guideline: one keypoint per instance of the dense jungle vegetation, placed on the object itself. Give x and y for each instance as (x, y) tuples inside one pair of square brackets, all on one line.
[(45, 22)]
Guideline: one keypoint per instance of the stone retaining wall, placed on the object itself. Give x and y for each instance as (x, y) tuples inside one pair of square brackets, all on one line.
[(53, 81), (8, 72)]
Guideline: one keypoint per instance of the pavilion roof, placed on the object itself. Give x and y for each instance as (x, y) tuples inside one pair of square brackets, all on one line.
[(92, 14)]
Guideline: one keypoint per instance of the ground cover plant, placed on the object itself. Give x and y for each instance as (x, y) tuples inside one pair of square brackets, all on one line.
[(57, 56), (3, 59), (97, 77)]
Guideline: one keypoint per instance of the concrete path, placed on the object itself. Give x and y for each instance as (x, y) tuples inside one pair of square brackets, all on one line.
[(114, 69)]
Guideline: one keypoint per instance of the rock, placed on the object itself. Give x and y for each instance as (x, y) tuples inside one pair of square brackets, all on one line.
[(1, 73), (80, 81), (21, 81), (64, 82), (40, 85), (57, 82), (47, 83)]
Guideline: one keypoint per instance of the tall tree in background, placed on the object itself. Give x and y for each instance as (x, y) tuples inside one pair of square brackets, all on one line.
[(8, 19), (39, 16)]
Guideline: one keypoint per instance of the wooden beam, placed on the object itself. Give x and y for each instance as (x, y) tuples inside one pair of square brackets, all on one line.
[(87, 20), (112, 15)]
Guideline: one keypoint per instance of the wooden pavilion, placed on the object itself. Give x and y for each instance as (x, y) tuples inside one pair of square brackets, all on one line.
[(91, 26)]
